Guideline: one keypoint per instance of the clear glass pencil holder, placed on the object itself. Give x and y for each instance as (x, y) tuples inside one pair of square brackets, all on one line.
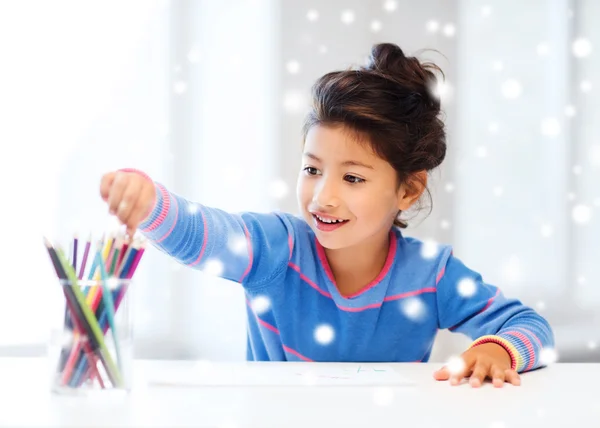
[(91, 339)]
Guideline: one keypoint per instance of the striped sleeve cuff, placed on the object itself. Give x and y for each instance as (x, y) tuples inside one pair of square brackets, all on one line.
[(158, 212), (516, 358)]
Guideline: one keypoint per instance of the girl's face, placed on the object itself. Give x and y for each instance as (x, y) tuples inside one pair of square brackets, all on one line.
[(347, 193)]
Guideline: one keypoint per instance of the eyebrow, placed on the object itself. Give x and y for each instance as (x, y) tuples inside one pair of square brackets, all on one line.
[(345, 163)]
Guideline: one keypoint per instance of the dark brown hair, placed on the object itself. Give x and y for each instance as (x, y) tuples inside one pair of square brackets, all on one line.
[(390, 104)]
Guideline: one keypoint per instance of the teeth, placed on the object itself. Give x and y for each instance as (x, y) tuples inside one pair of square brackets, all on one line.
[(328, 220)]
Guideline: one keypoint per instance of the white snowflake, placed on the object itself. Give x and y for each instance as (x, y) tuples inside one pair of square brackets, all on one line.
[(571, 196), (312, 15), (383, 396), (592, 345), (597, 202), (581, 47), (543, 49), (324, 334), (322, 49), (585, 86), (540, 306), (486, 10), (260, 304), (466, 287), (193, 208), (550, 127), (493, 127), (413, 308), (347, 16), (429, 249), (441, 90), (445, 224), (512, 89), (577, 169), (581, 280), (449, 187), (390, 5), (293, 67), (238, 244), (112, 283), (455, 365), (294, 102), (548, 356), (180, 87), (449, 30), (278, 189), (432, 26), (213, 267), (570, 111), (546, 230), (581, 214), (376, 26), (498, 191)]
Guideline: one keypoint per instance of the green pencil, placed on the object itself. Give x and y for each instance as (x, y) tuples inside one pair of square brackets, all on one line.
[(111, 369)]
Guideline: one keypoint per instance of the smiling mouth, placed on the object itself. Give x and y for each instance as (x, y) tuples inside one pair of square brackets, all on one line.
[(328, 225), (328, 220)]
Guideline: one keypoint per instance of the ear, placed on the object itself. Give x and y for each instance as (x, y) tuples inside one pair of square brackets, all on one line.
[(411, 191)]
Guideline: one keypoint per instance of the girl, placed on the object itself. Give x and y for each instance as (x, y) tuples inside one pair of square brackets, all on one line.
[(341, 282)]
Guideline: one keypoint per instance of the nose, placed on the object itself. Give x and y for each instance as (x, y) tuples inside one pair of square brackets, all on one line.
[(326, 193)]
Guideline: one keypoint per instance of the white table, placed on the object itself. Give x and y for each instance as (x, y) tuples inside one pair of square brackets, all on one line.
[(563, 395)]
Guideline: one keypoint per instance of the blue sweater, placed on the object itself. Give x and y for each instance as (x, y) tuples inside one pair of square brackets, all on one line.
[(296, 313)]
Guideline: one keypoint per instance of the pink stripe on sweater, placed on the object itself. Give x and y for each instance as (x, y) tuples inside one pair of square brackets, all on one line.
[(489, 302), (166, 203), (274, 330), (410, 294), (290, 245), (361, 308), (528, 345), (250, 253), (308, 281), (204, 237), (440, 275), (166, 235), (296, 353)]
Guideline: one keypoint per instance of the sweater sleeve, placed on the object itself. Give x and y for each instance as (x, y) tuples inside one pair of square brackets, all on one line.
[(249, 248), (469, 305)]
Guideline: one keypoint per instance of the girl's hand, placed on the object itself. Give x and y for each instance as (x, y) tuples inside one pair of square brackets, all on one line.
[(130, 197), (487, 360)]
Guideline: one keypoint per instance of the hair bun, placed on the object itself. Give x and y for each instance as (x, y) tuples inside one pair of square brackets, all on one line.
[(389, 61), (387, 58)]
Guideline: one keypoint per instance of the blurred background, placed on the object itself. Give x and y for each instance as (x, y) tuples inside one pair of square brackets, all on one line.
[(208, 98)]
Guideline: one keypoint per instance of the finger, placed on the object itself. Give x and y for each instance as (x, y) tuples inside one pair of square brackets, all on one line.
[(512, 376), (498, 377), (116, 191), (442, 374), (105, 184), (461, 371), (480, 372), (142, 208), (129, 199)]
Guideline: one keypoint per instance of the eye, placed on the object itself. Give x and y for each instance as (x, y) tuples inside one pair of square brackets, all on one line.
[(309, 170), (353, 179)]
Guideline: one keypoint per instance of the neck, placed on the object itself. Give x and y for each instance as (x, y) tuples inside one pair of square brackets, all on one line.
[(355, 267)]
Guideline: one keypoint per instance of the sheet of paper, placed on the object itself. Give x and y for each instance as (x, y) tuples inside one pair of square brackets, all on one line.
[(287, 374)]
